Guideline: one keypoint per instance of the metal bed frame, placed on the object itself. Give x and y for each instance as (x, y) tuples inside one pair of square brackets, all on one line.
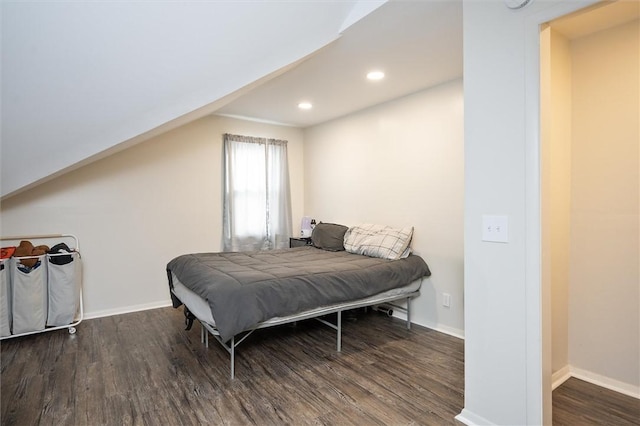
[(80, 315), (230, 347)]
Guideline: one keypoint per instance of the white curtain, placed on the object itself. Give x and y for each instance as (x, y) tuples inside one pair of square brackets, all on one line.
[(257, 206)]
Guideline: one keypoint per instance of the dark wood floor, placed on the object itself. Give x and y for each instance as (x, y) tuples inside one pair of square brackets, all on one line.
[(577, 402), (143, 368)]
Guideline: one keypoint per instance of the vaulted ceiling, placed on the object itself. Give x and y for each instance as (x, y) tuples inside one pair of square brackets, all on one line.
[(81, 80)]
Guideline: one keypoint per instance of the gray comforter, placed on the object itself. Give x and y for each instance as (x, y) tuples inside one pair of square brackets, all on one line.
[(246, 288)]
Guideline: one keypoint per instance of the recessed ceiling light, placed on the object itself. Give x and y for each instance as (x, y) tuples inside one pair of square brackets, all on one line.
[(375, 75), (305, 105)]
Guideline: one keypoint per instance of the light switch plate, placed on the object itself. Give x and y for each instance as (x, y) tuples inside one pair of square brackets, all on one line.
[(495, 229)]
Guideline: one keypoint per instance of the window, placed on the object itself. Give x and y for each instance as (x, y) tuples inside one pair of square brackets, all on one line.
[(257, 206)]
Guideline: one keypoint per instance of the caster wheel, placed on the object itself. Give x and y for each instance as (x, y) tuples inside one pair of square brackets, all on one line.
[(72, 330)]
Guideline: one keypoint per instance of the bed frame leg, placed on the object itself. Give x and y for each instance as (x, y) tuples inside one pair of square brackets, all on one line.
[(408, 313), (233, 357), (339, 331)]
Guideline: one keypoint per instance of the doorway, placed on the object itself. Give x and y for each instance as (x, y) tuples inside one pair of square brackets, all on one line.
[(590, 194)]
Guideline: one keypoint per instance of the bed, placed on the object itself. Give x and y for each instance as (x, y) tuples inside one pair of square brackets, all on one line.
[(233, 294)]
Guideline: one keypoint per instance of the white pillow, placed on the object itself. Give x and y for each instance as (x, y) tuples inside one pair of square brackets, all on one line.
[(379, 241)]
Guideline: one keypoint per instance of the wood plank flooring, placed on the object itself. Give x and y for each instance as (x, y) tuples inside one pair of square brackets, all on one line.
[(577, 402), (143, 368)]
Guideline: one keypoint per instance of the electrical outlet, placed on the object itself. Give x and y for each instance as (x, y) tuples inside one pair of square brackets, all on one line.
[(446, 300)]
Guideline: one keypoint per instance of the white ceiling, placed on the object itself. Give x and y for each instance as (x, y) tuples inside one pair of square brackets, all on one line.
[(417, 44), (600, 17), (81, 80)]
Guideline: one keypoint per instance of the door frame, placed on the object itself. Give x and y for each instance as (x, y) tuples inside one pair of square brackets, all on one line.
[(538, 303)]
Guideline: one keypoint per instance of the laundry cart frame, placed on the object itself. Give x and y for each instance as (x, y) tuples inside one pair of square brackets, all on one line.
[(79, 315)]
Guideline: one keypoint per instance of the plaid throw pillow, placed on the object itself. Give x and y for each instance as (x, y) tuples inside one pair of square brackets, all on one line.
[(378, 241)]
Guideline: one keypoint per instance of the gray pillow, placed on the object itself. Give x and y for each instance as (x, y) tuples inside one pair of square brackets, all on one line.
[(329, 236)]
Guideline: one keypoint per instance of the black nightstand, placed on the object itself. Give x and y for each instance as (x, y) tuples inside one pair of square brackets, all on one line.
[(299, 242)]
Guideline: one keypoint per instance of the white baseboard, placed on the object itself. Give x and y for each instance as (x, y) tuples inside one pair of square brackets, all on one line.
[(606, 382), (560, 376), (471, 419), (436, 327), (127, 309), (446, 330), (165, 303), (568, 371)]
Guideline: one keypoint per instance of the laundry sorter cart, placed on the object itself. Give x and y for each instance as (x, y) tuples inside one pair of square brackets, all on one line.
[(40, 292)]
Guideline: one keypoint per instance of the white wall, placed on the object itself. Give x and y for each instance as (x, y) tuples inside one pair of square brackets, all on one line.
[(604, 297), (504, 352), (136, 210), (399, 164)]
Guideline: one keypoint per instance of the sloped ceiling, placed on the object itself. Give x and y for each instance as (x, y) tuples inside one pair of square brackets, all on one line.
[(82, 80)]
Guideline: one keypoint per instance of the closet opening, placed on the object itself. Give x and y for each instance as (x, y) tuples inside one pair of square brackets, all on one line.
[(590, 191)]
